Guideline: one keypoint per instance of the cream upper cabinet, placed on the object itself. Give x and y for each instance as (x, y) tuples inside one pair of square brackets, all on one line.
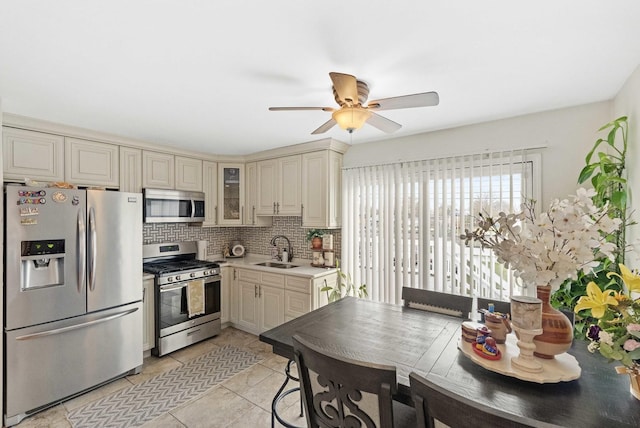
[(230, 194), (321, 189), (210, 189), (251, 217), (279, 186), (158, 170), (34, 155), (130, 169), (289, 185), (188, 174), (91, 163), (267, 187)]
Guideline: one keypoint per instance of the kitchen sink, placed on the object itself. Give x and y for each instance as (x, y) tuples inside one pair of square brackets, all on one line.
[(276, 265)]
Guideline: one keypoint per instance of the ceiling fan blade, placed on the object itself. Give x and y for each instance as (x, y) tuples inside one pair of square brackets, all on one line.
[(424, 99), (325, 127), (346, 86), (383, 124), (300, 108)]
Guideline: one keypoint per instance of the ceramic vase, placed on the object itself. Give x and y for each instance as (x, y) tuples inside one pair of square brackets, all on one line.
[(557, 330)]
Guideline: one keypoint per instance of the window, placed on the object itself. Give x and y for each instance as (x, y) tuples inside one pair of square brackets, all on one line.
[(402, 223)]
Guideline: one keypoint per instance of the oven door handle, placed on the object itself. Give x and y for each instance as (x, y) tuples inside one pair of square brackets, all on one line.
[(172, 287)]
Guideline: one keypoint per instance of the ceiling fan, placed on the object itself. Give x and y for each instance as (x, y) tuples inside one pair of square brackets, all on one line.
[(351, 95)]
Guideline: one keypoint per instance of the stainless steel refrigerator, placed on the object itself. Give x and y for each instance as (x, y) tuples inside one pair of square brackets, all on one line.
[(73, 293)]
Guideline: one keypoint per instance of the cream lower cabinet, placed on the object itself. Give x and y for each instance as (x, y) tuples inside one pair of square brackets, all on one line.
[(265, 300), (302, 294), (148, 313), (260, 300), (225, 294), (234, 300)]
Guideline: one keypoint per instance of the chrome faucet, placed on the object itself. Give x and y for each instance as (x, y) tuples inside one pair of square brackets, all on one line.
[(289, 253)]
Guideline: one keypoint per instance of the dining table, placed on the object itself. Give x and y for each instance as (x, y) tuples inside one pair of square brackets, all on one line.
[(425, 342)]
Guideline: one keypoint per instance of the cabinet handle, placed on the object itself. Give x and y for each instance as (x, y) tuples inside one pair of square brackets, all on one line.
[(215, 220), (260, 291), (253, 214), (242, 215), (302, 214), (278, 208), (234, 274), (255, 291), (274, 207), (144, 293)]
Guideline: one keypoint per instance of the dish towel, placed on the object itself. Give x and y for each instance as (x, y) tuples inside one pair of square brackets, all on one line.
[(195, 297)]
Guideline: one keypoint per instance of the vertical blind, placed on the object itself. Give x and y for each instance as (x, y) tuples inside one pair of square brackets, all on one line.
[(402, 223)]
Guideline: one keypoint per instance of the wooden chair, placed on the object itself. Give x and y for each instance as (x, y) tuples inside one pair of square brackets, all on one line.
[(435, 301), (437, 398), (340, 392)]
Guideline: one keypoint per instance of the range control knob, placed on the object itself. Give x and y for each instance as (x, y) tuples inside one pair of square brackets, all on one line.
[(192, 275), (177, 277), (170, 279)]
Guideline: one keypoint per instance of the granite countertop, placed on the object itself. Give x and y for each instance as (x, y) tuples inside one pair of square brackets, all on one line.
[(303, 266)]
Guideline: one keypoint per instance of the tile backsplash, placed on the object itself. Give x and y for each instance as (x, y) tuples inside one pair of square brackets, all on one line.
[(255, 239)]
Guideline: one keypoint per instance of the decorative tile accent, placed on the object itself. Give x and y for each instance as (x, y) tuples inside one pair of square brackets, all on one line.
[(140, 403), (255, 239)]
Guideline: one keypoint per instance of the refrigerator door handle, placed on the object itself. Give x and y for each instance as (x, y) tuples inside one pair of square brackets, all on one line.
[(82, 251), (93, 248), (76, 326)]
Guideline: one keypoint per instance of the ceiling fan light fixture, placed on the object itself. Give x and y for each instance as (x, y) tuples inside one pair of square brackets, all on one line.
[(351, 118)]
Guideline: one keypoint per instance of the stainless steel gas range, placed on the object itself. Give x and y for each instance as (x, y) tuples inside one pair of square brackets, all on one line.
[(176, 267)]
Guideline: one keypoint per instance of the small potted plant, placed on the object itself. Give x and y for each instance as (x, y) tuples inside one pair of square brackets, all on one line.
[(315, 236)]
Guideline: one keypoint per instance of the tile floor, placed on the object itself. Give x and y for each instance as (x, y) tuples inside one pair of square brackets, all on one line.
[(240, 402)]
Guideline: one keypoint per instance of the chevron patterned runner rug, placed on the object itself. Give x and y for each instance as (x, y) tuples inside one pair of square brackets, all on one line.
[(141, 403)]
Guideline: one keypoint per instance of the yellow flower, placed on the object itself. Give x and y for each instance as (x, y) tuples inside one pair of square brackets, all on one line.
[(620, 297), (596, 300), (630, 279)]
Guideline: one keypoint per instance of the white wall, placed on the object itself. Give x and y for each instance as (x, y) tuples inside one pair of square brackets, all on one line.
[(627, 103), (568, 135)]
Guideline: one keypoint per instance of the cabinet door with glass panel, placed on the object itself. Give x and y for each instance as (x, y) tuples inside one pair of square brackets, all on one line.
[(230, 194)]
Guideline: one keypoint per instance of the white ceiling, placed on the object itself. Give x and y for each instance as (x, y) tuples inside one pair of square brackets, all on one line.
[(200, 74)]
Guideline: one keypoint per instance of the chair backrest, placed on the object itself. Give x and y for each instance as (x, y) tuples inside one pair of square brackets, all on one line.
[(436, 397), (435, 301), (339, 391)]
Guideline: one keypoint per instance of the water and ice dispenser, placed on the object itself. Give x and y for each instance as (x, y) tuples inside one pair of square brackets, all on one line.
[(42, 263)]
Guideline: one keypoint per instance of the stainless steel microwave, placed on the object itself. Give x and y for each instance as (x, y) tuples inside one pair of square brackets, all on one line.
[(173, 206)]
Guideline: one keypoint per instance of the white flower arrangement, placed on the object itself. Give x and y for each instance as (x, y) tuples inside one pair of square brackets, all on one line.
[(570, 237)]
